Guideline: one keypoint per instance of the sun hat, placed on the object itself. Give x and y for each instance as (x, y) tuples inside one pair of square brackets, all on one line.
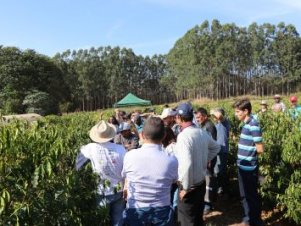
[(277, 96), (264, 102), (167, 112), (293, 99), (185, 109), (102, 132), (124, 126)]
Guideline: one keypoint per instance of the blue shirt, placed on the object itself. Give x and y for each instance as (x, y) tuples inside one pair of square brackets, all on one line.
[(250, 135), (295, 112)]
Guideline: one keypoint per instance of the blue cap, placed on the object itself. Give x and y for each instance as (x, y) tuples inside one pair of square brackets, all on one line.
[(185, 109)]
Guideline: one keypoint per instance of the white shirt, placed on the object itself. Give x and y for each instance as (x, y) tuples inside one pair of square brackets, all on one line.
[(149, 172), (107, 162), (194, 148)]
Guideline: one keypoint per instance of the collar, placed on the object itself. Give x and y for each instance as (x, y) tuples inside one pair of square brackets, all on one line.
[(248, 120), (186, 125), (150, 145)]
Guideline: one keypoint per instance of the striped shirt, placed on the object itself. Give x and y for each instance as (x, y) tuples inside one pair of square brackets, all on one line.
[(250, 135)]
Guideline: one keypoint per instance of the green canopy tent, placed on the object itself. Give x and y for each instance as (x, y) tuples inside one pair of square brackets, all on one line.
[(132, 100)]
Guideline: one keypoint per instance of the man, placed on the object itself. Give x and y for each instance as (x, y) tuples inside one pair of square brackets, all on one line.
[(107, 162), (263, 106), (223, 131), (295, 109), (194, 148), (202, 119), (278, 105), (126, 137), (149, 173), (249, 146), (168, 117)]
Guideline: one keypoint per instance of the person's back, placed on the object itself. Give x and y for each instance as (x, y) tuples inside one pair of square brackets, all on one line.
[(107, 161), (198, 142), (149, 173), (150, 177), (194, 148)]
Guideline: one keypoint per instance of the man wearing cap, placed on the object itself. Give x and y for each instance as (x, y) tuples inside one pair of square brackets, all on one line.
[(107, 162), (168, 117), (194, 148), (295, 109), (263, 106), (278, 105), (149, 173), (126, 137)]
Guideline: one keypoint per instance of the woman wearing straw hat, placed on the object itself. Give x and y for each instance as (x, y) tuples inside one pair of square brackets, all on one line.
[(107, 161)]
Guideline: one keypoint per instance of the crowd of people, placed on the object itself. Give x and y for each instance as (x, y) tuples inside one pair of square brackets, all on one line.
[(167, 169), (294, 110)]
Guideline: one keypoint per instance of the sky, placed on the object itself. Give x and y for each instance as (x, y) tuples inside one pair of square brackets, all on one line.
[(148, 27)]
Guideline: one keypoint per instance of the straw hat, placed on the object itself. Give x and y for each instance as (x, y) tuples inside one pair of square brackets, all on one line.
[(102, 132)]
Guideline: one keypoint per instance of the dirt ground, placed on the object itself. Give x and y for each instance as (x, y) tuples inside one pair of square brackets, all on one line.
[(228, 212)]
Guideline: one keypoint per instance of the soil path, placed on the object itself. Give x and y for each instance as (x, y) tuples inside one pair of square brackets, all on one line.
[(228, 212)]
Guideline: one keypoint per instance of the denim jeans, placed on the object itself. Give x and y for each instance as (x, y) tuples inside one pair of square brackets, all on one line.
[(248, 183), (116, 205), (149, 216)]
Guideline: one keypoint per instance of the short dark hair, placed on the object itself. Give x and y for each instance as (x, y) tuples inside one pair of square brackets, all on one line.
[(169, 137), (154, 129), (202, 111), (243, 104), (186, 118)]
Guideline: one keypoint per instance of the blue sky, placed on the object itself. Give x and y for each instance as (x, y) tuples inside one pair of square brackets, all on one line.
[(147, 26)]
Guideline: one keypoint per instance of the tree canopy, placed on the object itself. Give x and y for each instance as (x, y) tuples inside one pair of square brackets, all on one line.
[(211, 60)]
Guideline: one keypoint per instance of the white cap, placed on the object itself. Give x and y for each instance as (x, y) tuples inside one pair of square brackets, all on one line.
[(167, 112), (124, 126)]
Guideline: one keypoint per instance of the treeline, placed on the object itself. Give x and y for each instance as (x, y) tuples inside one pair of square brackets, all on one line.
[(211, 60), (219, 61)]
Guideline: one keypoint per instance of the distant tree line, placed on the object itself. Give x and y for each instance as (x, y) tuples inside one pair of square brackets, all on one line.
[(210, 60)]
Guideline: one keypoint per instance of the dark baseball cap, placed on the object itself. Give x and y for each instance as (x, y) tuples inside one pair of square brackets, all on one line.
[(185, 109)]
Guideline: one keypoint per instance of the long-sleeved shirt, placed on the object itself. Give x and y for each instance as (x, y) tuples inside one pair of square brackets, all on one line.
[(194, 148), (107, 162)]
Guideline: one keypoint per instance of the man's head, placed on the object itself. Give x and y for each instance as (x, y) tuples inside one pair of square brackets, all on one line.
[(201, 115), (264, 105), (168, 116), (243, 109), (277, 98), (153, 130), (294, 101), (184, 113), (125, 130), (218, 114)]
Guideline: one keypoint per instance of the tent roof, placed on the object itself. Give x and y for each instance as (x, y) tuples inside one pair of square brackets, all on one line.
[(132, 100)]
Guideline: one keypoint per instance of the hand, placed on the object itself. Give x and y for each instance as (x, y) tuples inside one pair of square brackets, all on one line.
[(182, 193), (209, 165), (125, 194)]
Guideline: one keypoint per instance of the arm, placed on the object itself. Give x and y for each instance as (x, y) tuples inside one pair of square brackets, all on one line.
[(185, 162), (82, 157), (213, 148), (259, 148), (81, 160), (125, 190), (257, 137)]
